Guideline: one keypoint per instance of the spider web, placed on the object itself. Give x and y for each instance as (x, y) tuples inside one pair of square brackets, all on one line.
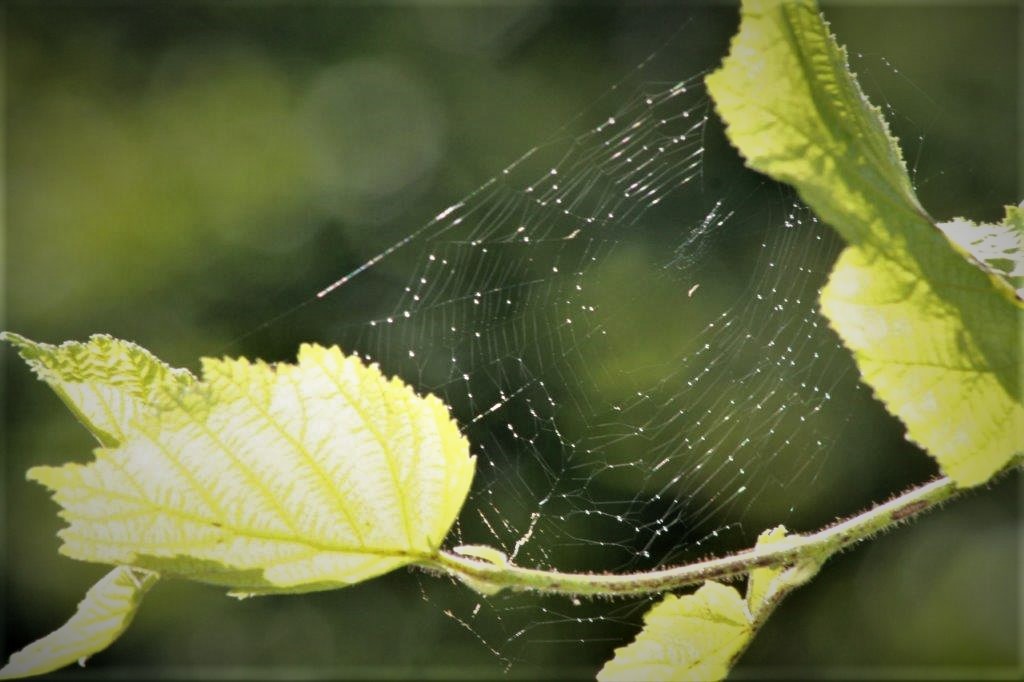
[(636, 360)]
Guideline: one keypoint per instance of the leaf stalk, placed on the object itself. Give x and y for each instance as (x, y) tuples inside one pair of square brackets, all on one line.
[(490, 577)]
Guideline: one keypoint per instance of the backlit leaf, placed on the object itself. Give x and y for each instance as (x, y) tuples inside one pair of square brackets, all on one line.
[(699, 636), (999, 249), (937, 337), (262, 478), (107, 610), (105, 382)]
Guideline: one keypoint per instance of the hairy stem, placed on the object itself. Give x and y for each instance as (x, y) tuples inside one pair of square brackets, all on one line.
[(493, 576)]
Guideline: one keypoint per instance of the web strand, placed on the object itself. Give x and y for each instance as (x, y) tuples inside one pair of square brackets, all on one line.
[(628, 410)]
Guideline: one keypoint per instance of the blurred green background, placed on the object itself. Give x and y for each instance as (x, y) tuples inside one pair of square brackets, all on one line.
[(180, 174)]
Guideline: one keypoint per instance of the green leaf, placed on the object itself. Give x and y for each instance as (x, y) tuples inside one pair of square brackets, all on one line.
[(285, 478), (998, 249), (700, 636), (105, 382), (107, 610), (763, 582), (489, 554), (695, 637), (937, 337)]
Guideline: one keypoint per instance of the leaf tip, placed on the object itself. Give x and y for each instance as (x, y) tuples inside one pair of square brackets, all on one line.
[(47, 476), (12, 338)]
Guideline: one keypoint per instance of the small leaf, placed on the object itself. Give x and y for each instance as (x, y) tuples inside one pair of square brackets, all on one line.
[(700, 636), (492, 556), (761, 582), (695, 637), (107, 610), (265, 479), (935, 336), (998, 249), (105, 382), (488, 554)]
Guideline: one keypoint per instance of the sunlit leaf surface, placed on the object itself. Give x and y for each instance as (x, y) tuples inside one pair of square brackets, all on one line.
[(105, 382), (937, 337), (263, 478), (999, 249), (699, 636), (106, 612)]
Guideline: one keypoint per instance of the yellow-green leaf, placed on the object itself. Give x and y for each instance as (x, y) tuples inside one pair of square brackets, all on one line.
[(107, 610), (935, 336), (998, 249), (695, 637), (271, 478), (762, 582), (105, 382), (700, 636), (494, 556)]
